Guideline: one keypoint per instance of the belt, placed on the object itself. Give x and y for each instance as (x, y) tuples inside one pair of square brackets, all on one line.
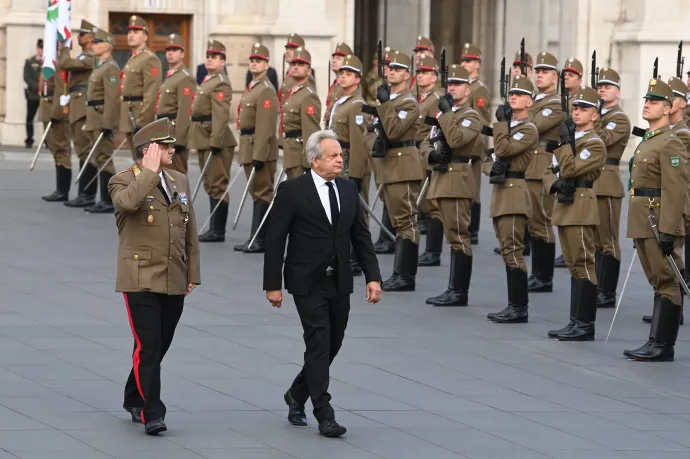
[(294, 134), (460, 159), (515, 175), (248, 131), (401, 144), (77, 88), (132, 98), (201, 118), (613, 161), (648, 192), (344, 145), (171, 117), (583, 184), (95, 102)]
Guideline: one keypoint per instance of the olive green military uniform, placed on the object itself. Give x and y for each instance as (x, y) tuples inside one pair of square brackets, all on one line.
[(426, 48), (371, 84), (294, 41), (575, 66), (334, 92), (103, 117), (659, 186), (300, 116), (142, 77)]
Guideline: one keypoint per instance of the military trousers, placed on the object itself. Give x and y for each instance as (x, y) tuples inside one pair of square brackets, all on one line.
[(81, 139), (657, 270), (577, 245), (541, 204), (455, 215), (261, 188), (401, 202), (510, 233), (180, 161), (293, 172), (476, 168), (606, 234), (103, 152), (58, 143), (217, 175)]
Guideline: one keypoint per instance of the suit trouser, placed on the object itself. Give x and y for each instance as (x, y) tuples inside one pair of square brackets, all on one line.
[(606, 234), (217, 175), (401, 202), (541, 203), (510, 232), (81, 139), (31, 109), (153, 318), (577, 245), (657, 270), (455, 214), (324, 314), (104, 151), (58, 143), (263, 182), (180, 161)]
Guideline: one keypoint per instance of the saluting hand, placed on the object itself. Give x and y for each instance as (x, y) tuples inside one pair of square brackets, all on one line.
[(275, 297), (373, 292), (152, 157)]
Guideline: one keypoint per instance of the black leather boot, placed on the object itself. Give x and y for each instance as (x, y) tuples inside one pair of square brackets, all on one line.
[(354, 263), (527, 250), (459, 284), (259, 245), (662, 335), (608, 281), (648, 319), (536, 260), (85, 197), (404, 267), (434, 244), (475, 217), (687, 258), (574, 292), (211, 235), (105, 205), (559, 262), (63, 179), (543, 281), (384, 245), (516, 312), (586, 315)]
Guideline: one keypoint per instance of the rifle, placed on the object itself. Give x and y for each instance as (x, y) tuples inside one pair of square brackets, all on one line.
[(638, 131), (436, 136), (523, 62), (679, 60), (500, 167), (377, 126), (564, 106), (594, 70)]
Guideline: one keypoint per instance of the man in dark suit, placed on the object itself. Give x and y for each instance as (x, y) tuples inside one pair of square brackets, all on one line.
[(322, 215)]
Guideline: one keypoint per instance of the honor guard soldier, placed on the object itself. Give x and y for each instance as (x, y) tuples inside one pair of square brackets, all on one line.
[(300, 114), (429, 95), (471, 60), (614, 129), (399, 169), (294, 41), (211, 137), (175, 98), (158, 263), (658, 189), (342, 50), (256, 121), (452, 182), (516, 69), (57, 139), (79, 70), (103, 114), (423, 47), (546, 114), (515, 138), (372, 81), (686, 112), (576, 166), (141, 80)]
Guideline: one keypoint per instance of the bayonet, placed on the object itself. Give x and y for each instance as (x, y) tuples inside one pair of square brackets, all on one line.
[(679, 60), (523, 62)]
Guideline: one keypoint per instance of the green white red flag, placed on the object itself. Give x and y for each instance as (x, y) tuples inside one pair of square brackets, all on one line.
[(58, 27)]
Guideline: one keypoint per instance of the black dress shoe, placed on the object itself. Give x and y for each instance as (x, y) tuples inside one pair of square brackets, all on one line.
[(82, 200), (56, 196), (331, 429), (560, 262), (134, 411), (296, 415), (155, 427), (497, 250)]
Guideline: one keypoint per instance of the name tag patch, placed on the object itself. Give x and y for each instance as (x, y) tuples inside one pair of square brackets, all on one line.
[(518, 135), (466, 123), (611, 125), (584, 154), (402, 114), (546, 112)]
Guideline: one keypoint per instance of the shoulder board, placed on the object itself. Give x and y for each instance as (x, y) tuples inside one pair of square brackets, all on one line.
[(437, 95), (126, 170), (221, 77), (169, 175), (269, 85), (470, 111), (411, 98), (310, 90), (529, 123), (595, 138), (557, 99), (358, 101), (186, 72)]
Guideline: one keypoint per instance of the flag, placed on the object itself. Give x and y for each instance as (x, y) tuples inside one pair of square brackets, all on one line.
[(64, 22), (50, 40)]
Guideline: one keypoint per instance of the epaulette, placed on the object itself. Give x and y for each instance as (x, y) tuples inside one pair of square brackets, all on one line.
[(436, 94), (122, 172), (310, 90), (168, 174), (186, 72), (358, 101), (410, 98), (222, 78), (270, 86), (470, 110)]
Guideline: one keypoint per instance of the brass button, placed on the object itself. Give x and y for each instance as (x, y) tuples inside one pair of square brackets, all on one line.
[(510, 184), (400, 153), (151, 207), (171, 241), (450, 169), (170, 257), (632, 181), (136, 257), (637, 151), (171, 225), (634, 166), (581, 195), (645, 160)]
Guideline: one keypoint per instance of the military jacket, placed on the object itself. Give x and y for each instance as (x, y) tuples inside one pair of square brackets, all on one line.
[(428, 106), (480, 102), (50, 107), (175, 100), (686, 114), (258, 118), (301, 114), (334, 93), (584, 165), (32, 75), (141, 78), (289, 82), (159, 247), (613, 127), (79, 69), (461, 127), (102, 97), (210, 114), (350, 125), (546, 114), (680, 130)]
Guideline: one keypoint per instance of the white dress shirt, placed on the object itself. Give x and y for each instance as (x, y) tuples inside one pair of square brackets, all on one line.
[(322, 189)]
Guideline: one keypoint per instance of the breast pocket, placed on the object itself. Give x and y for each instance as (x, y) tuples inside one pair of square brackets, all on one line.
[(151, 215), (248, 114), (648, 166), (128, 275)]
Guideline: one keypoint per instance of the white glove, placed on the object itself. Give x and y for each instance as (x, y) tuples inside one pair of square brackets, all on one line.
[(554, 161), (64, 100)]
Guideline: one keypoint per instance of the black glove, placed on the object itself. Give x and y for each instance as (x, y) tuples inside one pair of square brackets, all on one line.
[(439, 157), (107, 132), (564, 187), (379, 148), (567, 131), (504, 113), (500, 167), (179, 148), (383, 94), (54, 120), (428, 174), (666, 243), (445, 103), (258, 165), (357, 182), (215, 150)]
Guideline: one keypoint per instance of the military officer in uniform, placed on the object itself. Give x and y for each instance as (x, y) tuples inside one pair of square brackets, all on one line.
[(334, 92), (300, 114), (515, 138), (175, 98), (576, 166), (613, 127), (294, 41), (659, 167), (79, 70), (516, 69), (256, 121), (158, 263), (452, 182), (471, 60), (103, 114), (211, 137), (57, 139), (423, 47), (429, 95), (546, 114), (141, 80)]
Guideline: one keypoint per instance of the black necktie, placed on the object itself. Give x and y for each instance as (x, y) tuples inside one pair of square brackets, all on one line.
[(335, 212), (162, 190)]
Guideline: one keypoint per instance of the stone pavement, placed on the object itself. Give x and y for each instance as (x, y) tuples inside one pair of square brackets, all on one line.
[(412, 381)]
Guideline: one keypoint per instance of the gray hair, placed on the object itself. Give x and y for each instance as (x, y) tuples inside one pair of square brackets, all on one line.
[(313, 148)]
